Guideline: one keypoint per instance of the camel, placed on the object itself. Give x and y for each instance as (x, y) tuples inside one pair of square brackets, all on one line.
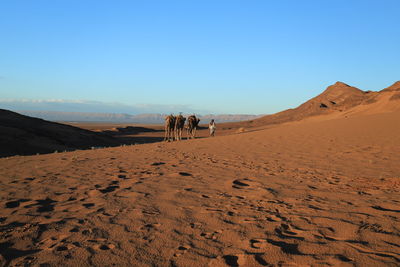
[(192, 124), (169, 128), (179, 125)]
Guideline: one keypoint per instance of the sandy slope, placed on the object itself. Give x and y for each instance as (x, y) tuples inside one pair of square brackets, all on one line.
[(311, 193), (24, 135), (337, 100)]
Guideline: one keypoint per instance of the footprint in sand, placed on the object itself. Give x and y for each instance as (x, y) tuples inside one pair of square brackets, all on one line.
[(151, 211), (109, 189), (239, 184), (181, 250), (15, 203), (74, 230), (231, 213), (288, 231), (45, 205), (77, 244), (184, 174), (195, 225), (251, 220), (122, 176), (274, 218), (272, 191), (150, 226), (106, 247), (245, 183), (213, 235), (157, 163), (258, 243), (28, 180), (286, 247), (98, 246), (234, 260), (88, 205), (315, 207), (62, 248)]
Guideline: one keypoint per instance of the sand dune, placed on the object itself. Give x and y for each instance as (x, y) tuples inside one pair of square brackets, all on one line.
[(313, 186), (310, 193), (338, 100), (23, 135)]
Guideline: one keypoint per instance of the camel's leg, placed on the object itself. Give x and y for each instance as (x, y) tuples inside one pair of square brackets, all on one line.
[(165, 134), (169, 135)]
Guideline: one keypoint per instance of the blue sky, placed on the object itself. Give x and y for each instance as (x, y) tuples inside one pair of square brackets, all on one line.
[(252, 57)]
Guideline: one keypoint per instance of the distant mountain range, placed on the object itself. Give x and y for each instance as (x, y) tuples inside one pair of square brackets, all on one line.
[(125, 118)]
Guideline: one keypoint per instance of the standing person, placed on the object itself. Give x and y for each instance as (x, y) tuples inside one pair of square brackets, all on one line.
[(212, 127)]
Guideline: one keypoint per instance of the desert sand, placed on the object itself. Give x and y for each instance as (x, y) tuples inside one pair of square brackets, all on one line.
[(319, 191)]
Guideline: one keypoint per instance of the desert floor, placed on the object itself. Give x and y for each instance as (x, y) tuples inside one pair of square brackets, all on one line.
[(151, 133), (302, 194)]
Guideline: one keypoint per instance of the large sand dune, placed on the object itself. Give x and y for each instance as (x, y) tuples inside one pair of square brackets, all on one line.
[(338, 100), (24, 135)]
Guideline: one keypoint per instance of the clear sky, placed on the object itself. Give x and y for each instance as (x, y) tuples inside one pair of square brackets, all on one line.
[(252, 57)]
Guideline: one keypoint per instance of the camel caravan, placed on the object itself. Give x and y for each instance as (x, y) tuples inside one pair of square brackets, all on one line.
[(174, 126)]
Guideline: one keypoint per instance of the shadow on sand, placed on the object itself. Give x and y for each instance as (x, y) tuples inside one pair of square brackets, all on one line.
[(131, 130)]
